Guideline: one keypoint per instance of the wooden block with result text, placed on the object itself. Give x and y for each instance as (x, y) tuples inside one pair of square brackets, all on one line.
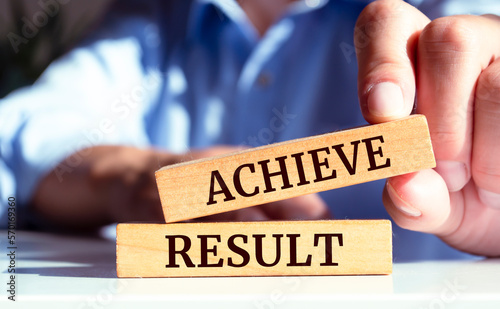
[(293, 168), (272, 248)]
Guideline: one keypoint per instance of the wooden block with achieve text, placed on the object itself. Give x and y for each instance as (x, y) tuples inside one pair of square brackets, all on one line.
[(293, 168), (272, 248)]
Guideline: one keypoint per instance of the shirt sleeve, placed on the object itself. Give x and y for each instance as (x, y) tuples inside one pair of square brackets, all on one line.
[(438, 8), (97, 94)]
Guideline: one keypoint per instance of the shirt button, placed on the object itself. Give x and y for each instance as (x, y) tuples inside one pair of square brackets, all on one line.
[(264, 79), (313, 3)]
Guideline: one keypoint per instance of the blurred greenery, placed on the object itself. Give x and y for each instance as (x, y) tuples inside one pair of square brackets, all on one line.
[(20, 69), (23, 66)]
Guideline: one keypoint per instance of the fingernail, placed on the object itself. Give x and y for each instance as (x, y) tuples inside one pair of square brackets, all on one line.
[(490, 199), (401, 204), (386, 100), (454, 173)]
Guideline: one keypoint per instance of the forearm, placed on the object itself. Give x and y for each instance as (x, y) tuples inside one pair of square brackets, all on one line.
[(101, 185)]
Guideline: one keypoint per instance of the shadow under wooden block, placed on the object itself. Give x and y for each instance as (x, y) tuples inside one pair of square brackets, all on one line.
[(284, 170), (271, 248)]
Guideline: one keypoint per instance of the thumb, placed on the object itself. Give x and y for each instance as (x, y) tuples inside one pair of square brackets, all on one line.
[(386, 37)]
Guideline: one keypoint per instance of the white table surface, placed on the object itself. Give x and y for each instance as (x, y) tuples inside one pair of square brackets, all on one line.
[(57, 271)]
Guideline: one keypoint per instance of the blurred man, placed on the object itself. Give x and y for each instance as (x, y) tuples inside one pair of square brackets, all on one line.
[(162, 82)]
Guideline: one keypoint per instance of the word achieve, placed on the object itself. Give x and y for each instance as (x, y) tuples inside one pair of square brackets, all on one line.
[(273, 248), (293, 168)]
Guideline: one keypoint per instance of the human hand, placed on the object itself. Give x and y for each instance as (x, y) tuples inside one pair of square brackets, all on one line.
[(451, 66), (117, 184)]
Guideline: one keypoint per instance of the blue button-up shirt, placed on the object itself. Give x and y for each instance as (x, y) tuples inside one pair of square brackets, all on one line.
[(178, 77)]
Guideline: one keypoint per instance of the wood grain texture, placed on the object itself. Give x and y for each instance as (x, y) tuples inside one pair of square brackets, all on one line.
[(293, 168), (272, 248)]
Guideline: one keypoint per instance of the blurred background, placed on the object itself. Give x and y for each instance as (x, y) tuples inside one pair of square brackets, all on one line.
[(35, 32)]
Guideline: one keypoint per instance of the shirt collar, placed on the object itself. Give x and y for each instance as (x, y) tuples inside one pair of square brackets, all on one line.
[(233, 11)]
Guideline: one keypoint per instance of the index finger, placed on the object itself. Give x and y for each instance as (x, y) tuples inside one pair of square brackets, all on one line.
[(452, 53)]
